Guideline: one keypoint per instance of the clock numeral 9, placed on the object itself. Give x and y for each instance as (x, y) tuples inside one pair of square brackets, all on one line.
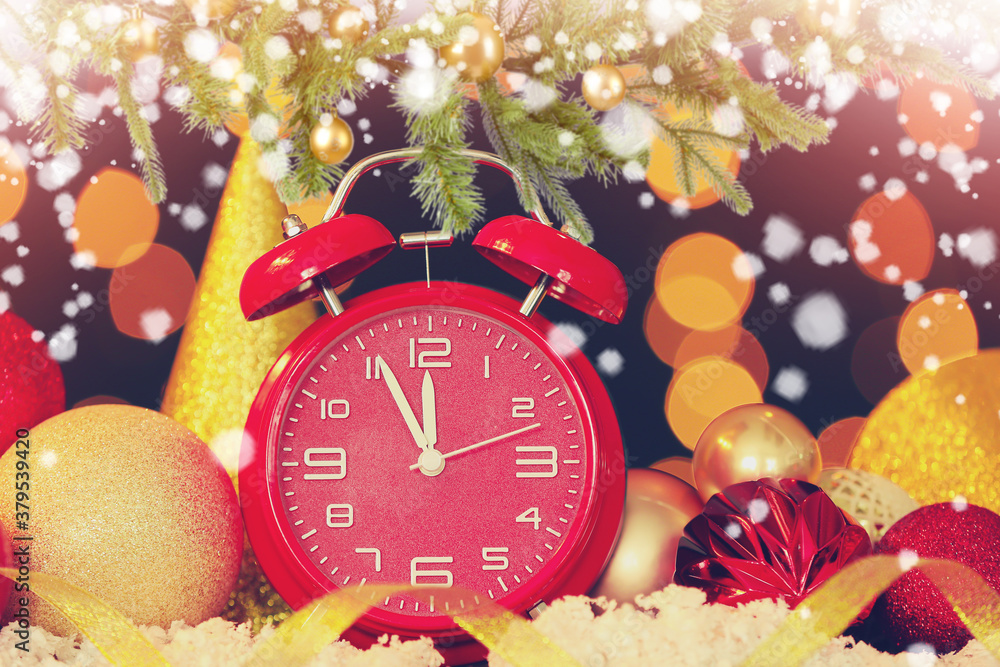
[(419, 577), (423, 360), (328, 411), (522, 407), (340, 516), (338, 462), (494, 561), (550, 461), (530, 515)]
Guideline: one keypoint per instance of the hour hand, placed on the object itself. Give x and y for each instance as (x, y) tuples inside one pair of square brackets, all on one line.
[(404, 407)]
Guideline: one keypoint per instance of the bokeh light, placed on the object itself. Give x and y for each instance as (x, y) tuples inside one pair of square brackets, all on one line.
[(13, 182), (704, 282), (228, 64), (662, 175), (312, 210), (936, 328), (678, 466), (732, 342), (875, 363), (150, 298), (891, 238), (704, 389), (663, 333), (942, 114), (115, 222), (836, 442)]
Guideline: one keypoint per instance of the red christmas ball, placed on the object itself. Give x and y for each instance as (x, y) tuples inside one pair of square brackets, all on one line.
[(913, 610), (31, 384)]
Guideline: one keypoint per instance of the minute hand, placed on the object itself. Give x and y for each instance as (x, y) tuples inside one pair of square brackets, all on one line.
[(484, 443), (404, 407)]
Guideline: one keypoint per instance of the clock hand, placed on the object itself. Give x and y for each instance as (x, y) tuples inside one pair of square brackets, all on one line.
[(430, 410), (404, 407), (484, 443)]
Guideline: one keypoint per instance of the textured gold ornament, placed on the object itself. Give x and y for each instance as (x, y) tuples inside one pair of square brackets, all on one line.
[(141, 38), (331, 142), (603, 87), (479, 51), (875, 502), (348, 24), (211, 9), (937, 434), (222, 358)]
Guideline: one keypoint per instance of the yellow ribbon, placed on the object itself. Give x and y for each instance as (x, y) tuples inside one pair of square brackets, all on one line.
[(306, 632), (830, 609), (113, 634)]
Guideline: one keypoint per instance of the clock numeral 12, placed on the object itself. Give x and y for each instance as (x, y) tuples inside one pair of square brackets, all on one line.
[(424, 359), (418, 577), (326, 408)]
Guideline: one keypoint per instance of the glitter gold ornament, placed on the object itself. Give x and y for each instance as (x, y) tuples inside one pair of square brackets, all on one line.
[(222, 358), (141, 38), (134, 508), (937, 434), (603, 87), (211, 9), (479, 51), (348, 24), (331, 142), (873, 501)]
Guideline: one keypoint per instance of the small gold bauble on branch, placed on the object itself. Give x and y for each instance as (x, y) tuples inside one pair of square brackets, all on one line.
[(479, 51), (603, 87), (141, 38), (348, 24), (211, 9), (331, 142)]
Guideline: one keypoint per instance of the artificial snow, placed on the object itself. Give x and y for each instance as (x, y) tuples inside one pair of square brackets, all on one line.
[(979, 246), (610, 362), (820, 322), (826, 250), (782, 238)]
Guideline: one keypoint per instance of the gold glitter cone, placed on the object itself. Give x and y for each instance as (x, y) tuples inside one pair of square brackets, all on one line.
[(222, 358)]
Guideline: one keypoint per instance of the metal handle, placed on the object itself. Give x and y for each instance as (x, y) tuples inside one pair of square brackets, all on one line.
[(406, 154)]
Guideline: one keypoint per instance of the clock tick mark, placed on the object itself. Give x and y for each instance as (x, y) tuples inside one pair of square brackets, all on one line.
[(488, 330), (526, 355), (416, 606), (289, 434), (386, 327), (363, 580), (500, 342), (563, 520), (461, 602), (324, 559), (571, 432), (460, 323), (386, 603), (298, 405), (537, 366), (346, 349), (572, 491), (567, 506), (309, 534), (574, 477), (546, 378), (346, 580), (432, 604), (567, 417), (333, 356), (371, 333), (574, 446), (517, 578), (286, 479), (289, 493), (309, 394), (551, 391), (476, 598), (490, 591), (502, 585), (553, 531), (571, 461), (447, 607), (323, 367), (289, 464), (400, 321), (548, 546), (446, 319), (358, 338), (286, 449), (430, 324), (334, 571), (414, 320), (539, 558), (314, 379), (474, 325), (292, 509), (314, 548), (513, 348)]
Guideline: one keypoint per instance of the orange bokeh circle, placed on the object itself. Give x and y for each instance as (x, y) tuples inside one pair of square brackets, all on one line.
[(678, 466), (836, 442), (662, 177), (313, 209), (704, 389), (704, 282), (734, 343), (150, 298), (663, 333), (936, 328), (115, 221), (939, 113), (892, 241), (13, 182)]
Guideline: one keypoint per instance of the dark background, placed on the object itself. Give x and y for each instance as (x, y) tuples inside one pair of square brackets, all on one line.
[(818, 190)]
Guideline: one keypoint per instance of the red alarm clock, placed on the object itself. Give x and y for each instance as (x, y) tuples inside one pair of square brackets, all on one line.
[(433, 434)]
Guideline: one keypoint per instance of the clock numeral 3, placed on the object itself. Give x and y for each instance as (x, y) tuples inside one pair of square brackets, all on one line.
[(493, 560), (424, 359), (550, 462), (338, 462), (340, 516), (530, 515), (419, 577), (522, 408), (329, 409)]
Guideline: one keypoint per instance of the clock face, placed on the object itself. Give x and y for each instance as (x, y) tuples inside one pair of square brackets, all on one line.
[(436, 446)]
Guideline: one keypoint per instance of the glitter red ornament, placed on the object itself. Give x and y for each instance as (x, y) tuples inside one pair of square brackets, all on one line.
[(913, 610), (767, 539), (31, 384)]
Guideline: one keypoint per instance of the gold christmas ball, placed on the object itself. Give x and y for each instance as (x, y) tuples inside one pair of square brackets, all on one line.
[(754, 441), (603, 87), (348, 24), (937, 434), (133, 507), (211, 9), (875, 502), (331, 143), (657, 507), (141, 38), (479, 51)]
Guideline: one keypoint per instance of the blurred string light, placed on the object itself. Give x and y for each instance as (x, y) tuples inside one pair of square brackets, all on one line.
[(937, 328), (114, 223), (150, 297), (891, 237)]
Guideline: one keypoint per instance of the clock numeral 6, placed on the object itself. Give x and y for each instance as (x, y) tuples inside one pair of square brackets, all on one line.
[(550, 462), (530, 515), (522, 407), (340, 515), (419, 577), (494, 561), (338, 462), (423, 360), (329, 409)]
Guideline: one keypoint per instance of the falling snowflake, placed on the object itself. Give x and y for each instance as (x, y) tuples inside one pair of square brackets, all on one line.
[(62, 344), (820, 322), (779, 294), (791, 383), (572, 338), (13, 275), (610, 362), (10, 232), (826, 250), (4, 301), (758, 510), (155, 324), (894, 189), (214, 176), (867, 182), (782, 238), (193, 218), (979, 247)]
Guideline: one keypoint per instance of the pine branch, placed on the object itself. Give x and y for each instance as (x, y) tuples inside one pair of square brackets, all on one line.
[(142, 136)]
